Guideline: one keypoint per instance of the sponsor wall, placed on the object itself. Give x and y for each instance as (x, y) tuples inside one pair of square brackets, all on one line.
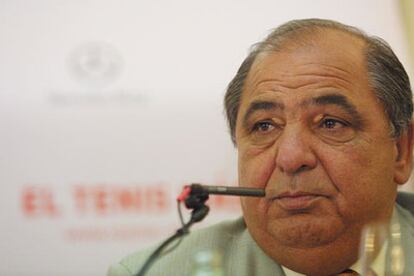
[(107, 108)]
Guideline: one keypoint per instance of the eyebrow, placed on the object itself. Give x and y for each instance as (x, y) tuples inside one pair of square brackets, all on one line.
[(333, 99), (258, 106), (342, 102), (262, 105), (329, 99)]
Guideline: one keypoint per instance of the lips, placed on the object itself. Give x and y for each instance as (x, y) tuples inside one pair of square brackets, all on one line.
[(297, 201)]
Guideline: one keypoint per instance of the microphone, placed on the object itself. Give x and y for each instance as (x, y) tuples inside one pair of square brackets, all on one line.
[(195, 196), (225, 190)]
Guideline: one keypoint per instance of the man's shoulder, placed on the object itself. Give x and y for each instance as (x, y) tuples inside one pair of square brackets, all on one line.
[(225, 237), (405, 210), (406, 200)]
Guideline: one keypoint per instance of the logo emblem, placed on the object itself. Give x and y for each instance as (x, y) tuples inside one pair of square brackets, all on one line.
[(95, 63)]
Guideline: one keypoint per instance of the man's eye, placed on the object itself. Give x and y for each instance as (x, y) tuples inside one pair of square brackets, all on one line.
[(263, 127), (336, 130), (332, 123)]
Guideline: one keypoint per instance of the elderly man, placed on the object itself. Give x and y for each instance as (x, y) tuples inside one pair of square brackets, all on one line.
[(321, 116)]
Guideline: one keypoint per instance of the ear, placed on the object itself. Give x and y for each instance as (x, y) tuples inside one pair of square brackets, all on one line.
[(403, 164)]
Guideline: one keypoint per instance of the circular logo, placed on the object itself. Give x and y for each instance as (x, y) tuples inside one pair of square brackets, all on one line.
[(95, 63)]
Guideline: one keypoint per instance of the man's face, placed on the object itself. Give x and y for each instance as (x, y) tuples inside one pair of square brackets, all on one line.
[(312, 133)]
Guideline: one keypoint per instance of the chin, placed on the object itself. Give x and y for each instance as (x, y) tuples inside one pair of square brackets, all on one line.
[(301, 232), (310, 246)]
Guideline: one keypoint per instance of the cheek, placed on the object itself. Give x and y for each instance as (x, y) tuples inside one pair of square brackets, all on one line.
[(348, 165), (363, 176), (255, 169)]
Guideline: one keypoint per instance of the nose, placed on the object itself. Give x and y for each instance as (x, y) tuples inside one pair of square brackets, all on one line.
[(294, 152)]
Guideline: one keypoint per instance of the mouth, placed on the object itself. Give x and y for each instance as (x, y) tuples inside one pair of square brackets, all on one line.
[(297, 201)]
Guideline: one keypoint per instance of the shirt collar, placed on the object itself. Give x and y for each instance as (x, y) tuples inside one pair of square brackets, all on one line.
[(378, 266)]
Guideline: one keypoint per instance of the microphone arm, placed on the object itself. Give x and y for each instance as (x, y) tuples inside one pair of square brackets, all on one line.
[(195, 196)]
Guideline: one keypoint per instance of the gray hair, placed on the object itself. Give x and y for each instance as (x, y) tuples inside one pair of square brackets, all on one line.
[(386, 73)]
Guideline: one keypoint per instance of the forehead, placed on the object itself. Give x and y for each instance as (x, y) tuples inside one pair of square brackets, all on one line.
[(330, 58)]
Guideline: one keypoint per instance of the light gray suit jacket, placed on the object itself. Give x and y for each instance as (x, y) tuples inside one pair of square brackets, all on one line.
[(241, 255)]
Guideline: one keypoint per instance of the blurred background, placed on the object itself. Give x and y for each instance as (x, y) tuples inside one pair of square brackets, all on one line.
[(107, 108)]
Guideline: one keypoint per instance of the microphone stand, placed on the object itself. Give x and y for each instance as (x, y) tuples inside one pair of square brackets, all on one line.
[(195, 197)]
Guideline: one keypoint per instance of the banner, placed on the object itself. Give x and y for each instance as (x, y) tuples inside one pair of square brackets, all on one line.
[(107, 108)]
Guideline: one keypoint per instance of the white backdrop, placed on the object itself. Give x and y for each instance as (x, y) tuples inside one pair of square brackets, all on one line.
[(108, 107)]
